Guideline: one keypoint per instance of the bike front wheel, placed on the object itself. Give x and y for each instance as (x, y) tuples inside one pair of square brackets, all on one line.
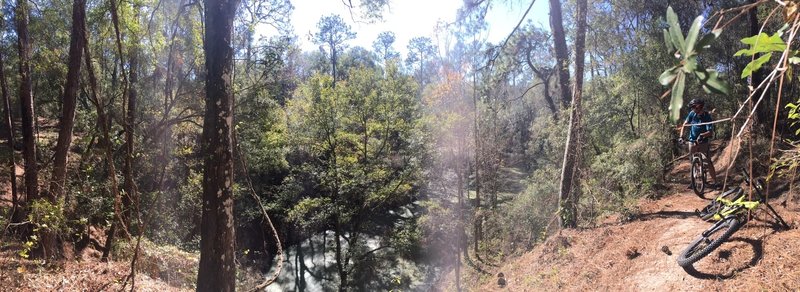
[(698, 175), (708, 241)]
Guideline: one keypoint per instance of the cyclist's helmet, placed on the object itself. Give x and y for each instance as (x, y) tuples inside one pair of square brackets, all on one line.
[(695, 102)]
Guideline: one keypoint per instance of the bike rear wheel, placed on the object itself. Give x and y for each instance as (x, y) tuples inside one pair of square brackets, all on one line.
[(698, 175), (708, 241)]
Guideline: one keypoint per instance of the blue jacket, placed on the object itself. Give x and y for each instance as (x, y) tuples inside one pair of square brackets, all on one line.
[(695, 131)]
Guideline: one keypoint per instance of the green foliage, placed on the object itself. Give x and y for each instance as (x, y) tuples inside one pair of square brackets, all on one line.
[(45, 217), (311, 213), (761, 43), (523, 222), (355, 163), (333, 32), (687, 52), (630, 169)]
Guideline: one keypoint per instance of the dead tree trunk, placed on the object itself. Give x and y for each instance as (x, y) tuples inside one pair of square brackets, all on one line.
[(217, 271)]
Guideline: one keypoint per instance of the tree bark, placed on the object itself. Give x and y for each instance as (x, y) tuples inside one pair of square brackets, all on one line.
[(9, 121), (46, 243), (217, 271), (341, 265), (69, 101), (130, 96), (568, 196), (333, 63), (478, 224), (562, 54), (104, 122), (544, 75), (130, 122), (460, 233), (26, 103)]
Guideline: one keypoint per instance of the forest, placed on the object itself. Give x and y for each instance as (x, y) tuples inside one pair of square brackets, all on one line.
[(178, 145)]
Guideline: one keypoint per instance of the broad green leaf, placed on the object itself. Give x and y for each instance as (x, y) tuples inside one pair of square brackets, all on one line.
[(675, 30), (705, 42), (762, 43), (742, 52), (690, 65), (668, 76), (794, 60), (755, 65), (668, 41), (676, 102), (691, 36), (709, 78)]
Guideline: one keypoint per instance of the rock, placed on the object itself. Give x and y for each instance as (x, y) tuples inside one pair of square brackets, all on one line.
[(501, 280), (666, 250)]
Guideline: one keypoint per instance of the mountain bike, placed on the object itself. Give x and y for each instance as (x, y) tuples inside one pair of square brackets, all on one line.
[(699, 170), (730, 210)]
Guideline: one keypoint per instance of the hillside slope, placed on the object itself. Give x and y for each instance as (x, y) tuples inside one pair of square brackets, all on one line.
[(640, 255)]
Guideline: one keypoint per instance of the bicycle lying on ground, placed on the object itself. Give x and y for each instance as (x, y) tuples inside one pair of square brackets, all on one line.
[(699, 170), (731, 211)]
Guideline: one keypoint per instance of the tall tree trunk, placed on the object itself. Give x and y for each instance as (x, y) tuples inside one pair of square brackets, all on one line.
[(562, 54), (458, 271), (130, 122), (130, 97), (104, 122), (333, 63), (217, 271), (47, 245), (67, 121), (9, 121), (478, 214), (568, 196), (463, 244), (341, 264), (460, 245), (26, 102)]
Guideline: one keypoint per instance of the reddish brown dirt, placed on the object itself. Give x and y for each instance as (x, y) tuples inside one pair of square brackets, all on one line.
[(5, 185), (640, 255), (84, 275)]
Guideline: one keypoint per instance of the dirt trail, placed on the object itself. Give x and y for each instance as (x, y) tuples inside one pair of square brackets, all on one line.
[(640, 255)]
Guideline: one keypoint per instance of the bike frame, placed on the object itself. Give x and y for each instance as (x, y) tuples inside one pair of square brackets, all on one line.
[(740, 205), (734, 207)]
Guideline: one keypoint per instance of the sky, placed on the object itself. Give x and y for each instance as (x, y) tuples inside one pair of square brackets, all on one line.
[(411, 18)]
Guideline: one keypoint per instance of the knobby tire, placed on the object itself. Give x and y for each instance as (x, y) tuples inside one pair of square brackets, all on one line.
[(698, 176), (697, 250)]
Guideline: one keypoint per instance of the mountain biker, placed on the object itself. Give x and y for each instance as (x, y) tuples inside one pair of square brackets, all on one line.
[(699, 135)]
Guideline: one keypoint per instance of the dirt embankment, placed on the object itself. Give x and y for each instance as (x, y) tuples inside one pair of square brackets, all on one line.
[(640, 254)]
